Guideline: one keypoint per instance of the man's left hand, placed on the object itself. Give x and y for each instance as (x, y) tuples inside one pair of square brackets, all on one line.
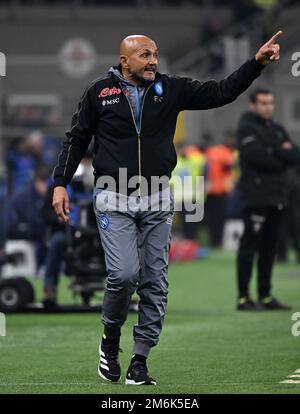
[(270, 51)]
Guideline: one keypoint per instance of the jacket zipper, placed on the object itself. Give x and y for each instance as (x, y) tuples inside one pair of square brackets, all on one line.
[(138, 131)]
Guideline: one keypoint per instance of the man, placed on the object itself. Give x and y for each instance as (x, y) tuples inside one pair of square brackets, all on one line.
[(57, 235), (190, 163), (266, 152), (24, 213), (289, 233), (132, 114)]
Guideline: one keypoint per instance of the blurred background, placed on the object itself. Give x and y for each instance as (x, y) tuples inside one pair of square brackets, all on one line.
[(53, 49)]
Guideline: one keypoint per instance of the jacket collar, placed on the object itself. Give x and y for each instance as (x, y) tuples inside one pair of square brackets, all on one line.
[(254, 117)]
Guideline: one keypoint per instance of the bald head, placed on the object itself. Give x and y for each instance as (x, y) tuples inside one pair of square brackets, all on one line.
[(138, 57), (131, 44)]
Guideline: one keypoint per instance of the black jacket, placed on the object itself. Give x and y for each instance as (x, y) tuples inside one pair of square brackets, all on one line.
[(104, 112), (263, 161)]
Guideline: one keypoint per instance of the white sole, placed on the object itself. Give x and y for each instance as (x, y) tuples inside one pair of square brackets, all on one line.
[(132, 382), (106, 379)]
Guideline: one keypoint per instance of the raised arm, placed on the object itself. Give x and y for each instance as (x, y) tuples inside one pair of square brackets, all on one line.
[(195, 94)]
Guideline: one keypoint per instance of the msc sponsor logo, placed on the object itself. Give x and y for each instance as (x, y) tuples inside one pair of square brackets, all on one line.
[(108, 92), (110, 101)]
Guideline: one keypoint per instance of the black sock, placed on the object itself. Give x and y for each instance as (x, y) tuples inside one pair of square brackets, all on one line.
[(111, 335), (110, 341), (140, 358)]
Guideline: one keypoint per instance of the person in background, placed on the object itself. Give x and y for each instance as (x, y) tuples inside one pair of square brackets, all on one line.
[(24, 213), (190, 163), (23, 157), (35, 145), (19, 165), (80, 188), (290, 226), (56, 246), (220, 178), (266, 152), (233, 210)]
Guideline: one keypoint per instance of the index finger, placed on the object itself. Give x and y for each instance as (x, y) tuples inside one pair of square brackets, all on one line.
[(275, 37)]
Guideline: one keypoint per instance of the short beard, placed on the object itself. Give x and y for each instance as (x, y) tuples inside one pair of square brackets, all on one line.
[(138, 78)]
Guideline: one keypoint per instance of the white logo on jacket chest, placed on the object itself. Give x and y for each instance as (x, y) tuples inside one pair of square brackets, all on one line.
[(158, 98), (110, 101)]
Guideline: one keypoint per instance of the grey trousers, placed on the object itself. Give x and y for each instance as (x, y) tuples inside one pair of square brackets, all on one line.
[(136, 244)]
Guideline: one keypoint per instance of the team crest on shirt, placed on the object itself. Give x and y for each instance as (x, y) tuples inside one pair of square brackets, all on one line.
[(258, 222), (158, 88), (104, 222)]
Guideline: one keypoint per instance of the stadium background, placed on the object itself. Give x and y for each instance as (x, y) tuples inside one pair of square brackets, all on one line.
[(53, 49)]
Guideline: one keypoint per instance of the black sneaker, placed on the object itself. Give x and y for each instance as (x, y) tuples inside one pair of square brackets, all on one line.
[(270, 303), (246, 304), (109, 365), (137, 374)]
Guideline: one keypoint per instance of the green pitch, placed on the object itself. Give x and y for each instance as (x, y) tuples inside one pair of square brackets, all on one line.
[(206, 346)]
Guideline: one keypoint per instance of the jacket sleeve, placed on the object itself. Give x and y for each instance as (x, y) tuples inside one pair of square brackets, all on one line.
[(77, 139), (256, 153), (288, 156), (195, 94)]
